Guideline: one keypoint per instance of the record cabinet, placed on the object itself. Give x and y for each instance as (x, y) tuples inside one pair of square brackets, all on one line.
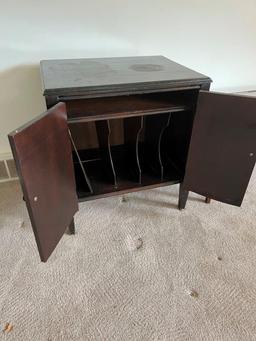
[(117, 125)]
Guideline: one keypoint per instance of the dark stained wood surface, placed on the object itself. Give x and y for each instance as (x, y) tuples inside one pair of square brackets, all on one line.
[(42, 153), (125, 106), (222, 152), (128, 187), (99, 76)]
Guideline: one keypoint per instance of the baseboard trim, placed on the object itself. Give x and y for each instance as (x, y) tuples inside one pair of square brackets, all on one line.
[(7, 168), (9, 179), (5, 156)]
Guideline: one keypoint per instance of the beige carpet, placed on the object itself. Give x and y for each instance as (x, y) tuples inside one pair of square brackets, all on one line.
[(135, 270)]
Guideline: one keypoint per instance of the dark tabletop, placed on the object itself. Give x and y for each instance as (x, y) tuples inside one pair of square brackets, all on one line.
[(120, 74)]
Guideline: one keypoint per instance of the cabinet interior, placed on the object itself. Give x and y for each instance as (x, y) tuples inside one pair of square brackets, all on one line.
[(133, 148)]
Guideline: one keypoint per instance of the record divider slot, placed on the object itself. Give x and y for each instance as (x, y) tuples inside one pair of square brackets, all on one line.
[(81, 163), (155, 126), (104, 132), (132, 130)]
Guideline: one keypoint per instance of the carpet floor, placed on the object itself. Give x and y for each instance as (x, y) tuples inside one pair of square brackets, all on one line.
[(137, 269)]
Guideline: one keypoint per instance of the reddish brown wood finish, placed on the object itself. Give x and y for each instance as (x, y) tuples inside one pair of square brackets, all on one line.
[(121, 91), (42, 154), (222, 150), (125, 106)]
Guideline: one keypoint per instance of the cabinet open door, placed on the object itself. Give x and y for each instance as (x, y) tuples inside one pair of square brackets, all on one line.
[(222, 150), (42, 153)]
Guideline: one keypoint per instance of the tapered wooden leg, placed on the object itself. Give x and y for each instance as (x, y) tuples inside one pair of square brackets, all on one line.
[(72, 227), (183, 197), (207, 200)]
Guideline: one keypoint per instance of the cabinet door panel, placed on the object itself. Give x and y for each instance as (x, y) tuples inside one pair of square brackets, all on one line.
[(223, 147), (42, 153)]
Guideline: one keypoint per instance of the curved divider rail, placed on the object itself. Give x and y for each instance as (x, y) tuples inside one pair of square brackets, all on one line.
[(80, 169), (125, 152), (104, 133), (150, 147)]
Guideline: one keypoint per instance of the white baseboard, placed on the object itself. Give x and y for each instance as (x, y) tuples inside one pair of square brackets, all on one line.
[(7, 168), (9, 179), (6, 156)]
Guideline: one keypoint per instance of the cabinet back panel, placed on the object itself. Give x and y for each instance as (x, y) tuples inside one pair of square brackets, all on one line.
[(131, 152), (176, 139)]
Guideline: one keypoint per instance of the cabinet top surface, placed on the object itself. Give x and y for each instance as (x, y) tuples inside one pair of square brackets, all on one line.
[(120, 74)]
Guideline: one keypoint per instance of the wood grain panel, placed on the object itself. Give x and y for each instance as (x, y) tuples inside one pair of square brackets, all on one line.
[(222, 152), (42, 153)]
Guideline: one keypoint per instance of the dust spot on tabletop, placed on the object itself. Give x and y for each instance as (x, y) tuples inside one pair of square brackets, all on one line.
[(92, 65), (146, 67)]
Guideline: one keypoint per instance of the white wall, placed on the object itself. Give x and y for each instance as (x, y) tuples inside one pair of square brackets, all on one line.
[(217, 38)]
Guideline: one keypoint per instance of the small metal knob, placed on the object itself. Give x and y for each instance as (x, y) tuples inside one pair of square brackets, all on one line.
[(35, 198), (251, 154)]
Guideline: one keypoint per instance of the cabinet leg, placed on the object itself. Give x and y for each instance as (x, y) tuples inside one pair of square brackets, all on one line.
[(207, 200), (72, 227), (183, 197)]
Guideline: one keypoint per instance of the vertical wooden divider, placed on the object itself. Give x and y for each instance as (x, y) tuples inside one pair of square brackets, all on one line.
[(154, 129), (132, 129), (165, 126), (168, 146), (104, 132), (80, 168)]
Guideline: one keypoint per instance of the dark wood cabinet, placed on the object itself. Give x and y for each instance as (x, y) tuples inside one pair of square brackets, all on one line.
[(116, 125)]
